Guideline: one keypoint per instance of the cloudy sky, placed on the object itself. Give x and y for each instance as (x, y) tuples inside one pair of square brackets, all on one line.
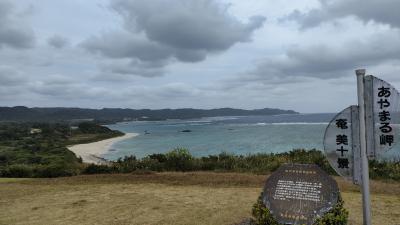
[(249, 54)]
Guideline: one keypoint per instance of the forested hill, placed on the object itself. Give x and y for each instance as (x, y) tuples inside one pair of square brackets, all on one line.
[(22, 113)]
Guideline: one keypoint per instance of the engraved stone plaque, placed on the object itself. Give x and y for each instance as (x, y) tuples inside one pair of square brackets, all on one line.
[(300, 193)]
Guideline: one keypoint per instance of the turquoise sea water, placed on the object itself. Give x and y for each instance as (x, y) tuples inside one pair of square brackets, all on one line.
[(238, 135)]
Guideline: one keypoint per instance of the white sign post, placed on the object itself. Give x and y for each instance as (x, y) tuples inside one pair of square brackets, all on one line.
[(363, 148), (363, 132)]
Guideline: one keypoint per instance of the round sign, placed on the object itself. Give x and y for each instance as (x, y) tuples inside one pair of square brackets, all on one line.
[(300, 193)]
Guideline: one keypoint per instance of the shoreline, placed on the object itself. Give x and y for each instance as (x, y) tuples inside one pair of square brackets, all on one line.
[(91, 152)]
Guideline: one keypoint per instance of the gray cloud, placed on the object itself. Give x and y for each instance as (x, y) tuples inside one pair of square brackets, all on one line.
[(327, 61), (196, 24), (136, 47), (186, 31), (384, 11), (119, 70), (13, 31), (123, 44), (177, 90), (10, 77), (66, 90), (126, 45), (57, 41)]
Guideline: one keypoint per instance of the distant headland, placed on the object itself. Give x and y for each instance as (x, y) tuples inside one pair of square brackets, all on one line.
[(112, 115)]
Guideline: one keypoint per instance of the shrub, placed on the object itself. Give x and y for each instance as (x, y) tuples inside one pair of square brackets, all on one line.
[(385, 170), (17, 170), (338, 215), (261, 214), (312, 156), (97, 169), (179, 159), (4, 159), (56, 170), (208, 163), (226, 161), (159, 157), (126, 165)]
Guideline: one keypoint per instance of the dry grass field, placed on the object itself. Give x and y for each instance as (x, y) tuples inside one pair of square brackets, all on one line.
[(161, 198)]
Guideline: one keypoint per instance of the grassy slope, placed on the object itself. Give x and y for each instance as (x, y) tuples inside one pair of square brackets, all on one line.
[(162, 198)]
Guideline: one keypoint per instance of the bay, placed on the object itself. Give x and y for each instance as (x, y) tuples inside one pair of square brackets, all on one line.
[(213, 135)]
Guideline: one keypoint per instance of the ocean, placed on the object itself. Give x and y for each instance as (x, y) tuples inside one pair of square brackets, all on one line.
[(213, 135)]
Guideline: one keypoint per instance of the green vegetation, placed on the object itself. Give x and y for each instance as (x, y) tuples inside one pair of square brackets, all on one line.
[(261, 214), (180, 159), (88, 132), (385, 170), (39, 149), (338, 215)]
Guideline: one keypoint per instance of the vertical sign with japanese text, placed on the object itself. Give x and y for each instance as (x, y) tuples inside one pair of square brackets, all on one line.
[(382, 113), (341, 144), (382, 119)]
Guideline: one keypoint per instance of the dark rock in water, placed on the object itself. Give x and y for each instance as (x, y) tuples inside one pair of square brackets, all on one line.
[(112, 150), (186, 131)]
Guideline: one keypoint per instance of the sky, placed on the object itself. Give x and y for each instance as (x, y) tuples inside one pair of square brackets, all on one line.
[(298, 55)]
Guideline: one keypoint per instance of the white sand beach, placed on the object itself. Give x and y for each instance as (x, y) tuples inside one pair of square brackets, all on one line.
[(91, 152)]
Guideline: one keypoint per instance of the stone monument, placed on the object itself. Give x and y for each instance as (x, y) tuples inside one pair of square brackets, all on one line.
[(300, 193)]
